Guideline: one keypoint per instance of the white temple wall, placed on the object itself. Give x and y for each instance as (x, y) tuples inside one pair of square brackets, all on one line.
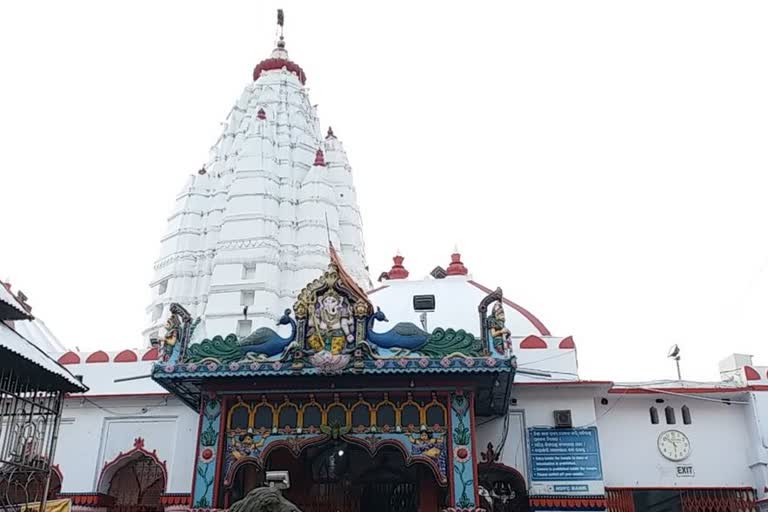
[(515, 449), (96, 431), (757, 421), (720, 447), (534, 408)]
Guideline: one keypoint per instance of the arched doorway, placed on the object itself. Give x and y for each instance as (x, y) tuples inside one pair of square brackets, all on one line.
[(135, 480), (343, 477), (502, 488)]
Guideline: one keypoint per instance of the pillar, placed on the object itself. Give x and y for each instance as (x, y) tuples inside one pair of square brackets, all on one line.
[(209, 435), (463, 467)]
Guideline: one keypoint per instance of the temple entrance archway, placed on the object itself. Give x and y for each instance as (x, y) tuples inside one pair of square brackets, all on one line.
[(337, 476), (135, 480), (502, 488)]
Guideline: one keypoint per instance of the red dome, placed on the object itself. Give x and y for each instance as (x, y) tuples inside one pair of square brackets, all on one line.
[(277, 63)]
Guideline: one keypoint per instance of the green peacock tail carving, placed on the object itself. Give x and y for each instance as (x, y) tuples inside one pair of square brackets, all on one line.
[(443, 342), (223, 350)]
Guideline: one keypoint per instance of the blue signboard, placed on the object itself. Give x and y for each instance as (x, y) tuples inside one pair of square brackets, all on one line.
[(564, 454)]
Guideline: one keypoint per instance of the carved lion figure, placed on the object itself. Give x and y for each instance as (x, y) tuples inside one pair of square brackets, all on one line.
[(264, 499)]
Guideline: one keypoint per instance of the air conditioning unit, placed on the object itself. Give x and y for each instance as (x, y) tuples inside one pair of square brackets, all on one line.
[(563, 419)]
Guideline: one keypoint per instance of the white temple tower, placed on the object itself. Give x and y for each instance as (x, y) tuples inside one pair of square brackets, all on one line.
[(252, 227)]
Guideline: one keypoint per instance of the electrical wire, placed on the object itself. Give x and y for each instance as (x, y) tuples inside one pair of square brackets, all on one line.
[(143, 410), (563, 354)]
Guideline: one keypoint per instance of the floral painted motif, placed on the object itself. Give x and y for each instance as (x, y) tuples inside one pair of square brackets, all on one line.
[(463, 472), (210, 425)]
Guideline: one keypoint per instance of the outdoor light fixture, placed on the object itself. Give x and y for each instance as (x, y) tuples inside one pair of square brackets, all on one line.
[(674, 353)]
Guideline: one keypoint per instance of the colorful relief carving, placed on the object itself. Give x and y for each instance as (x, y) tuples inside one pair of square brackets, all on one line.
[(497, 329), (178, 330), (405, 338), (418, 428), (260, 344), (210, 427), (333, 333), (430, 444), (461, 441), (494, 331)]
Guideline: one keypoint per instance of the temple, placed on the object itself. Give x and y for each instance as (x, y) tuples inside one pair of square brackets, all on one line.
[(253, 225), (269, 353)]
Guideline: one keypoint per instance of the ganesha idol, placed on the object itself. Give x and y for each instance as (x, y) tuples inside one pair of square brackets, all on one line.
[(331, 329)]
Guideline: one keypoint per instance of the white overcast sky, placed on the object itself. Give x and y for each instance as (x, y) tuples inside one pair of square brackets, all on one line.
[(604, 162)]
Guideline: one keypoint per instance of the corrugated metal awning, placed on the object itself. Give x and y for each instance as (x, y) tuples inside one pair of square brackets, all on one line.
[(17, 344)]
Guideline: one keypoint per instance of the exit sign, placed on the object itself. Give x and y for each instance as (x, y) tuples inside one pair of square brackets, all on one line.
[(684, 471)]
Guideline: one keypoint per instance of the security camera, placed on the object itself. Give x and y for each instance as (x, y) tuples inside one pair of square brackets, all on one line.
[(279, 479)]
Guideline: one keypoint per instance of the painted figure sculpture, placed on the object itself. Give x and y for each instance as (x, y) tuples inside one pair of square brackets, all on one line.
[(497, 328)]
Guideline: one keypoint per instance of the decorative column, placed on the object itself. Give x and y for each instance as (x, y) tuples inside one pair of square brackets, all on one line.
[(208, 436), (463, 478)]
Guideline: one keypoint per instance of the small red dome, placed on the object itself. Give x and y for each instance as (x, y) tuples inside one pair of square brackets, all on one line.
[(278, 63), (456, 268), (398, 271), (319, 158)]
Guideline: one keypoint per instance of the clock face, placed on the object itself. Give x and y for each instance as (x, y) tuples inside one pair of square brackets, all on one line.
[(674, 445)]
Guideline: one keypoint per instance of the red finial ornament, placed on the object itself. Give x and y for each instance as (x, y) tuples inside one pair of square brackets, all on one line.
[(261, 114), (456, 267), (397, 271), (330, 134), (319, 158)]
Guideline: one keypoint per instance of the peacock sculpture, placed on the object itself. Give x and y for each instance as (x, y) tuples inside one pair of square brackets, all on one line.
[(405, 338), (263, 342)]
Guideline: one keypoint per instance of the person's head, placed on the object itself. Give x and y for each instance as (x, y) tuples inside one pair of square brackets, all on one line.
[(498, 311)]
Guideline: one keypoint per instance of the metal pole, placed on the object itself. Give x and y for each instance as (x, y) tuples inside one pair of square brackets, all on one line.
[(677, 362), (52, 449)]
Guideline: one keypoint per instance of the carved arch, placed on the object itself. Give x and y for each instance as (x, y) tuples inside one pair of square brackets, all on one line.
[(123, 459), (502, 487)]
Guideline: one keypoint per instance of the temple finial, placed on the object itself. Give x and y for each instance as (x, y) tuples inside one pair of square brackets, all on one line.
[(281, 24)]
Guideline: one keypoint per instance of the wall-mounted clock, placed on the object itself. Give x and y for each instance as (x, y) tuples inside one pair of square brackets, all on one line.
[(674, 445)]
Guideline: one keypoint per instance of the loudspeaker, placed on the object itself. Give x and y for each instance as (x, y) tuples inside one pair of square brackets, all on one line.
[(563, 419)]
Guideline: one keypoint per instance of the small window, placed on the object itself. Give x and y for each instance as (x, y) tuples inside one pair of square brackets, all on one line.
[(669, 412), (162, 287), (409, 416), (239, 418), (312, 416), (288, 417), (244, 328), (157, 312), (246, 297), (263, 417), (654, 416), (435, 416), (686, 415), (361, 416), (249, 272), (385, 416)]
